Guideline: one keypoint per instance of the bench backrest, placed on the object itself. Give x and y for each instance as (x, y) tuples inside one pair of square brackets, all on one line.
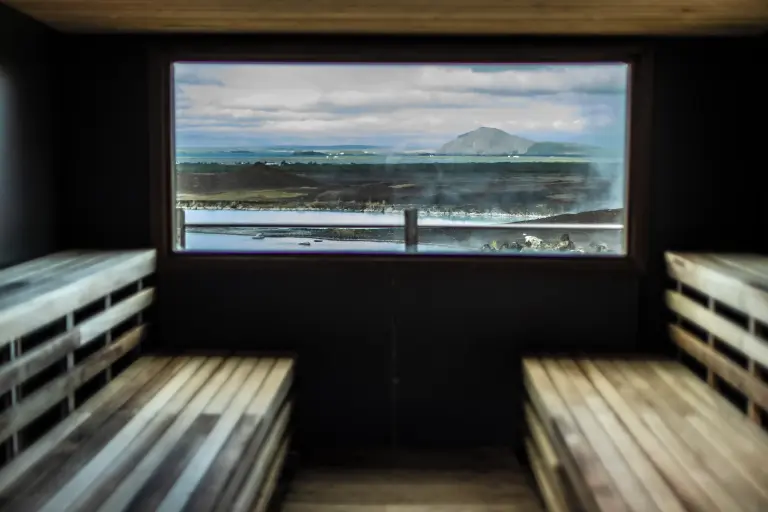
[(66, 322), (721, 305)]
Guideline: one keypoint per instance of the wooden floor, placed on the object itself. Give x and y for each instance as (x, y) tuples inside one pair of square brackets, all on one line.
[(648, 435), (477, 481), (169, 433)]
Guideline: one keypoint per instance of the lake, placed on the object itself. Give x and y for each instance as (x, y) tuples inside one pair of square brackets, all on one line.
[(241, 239)]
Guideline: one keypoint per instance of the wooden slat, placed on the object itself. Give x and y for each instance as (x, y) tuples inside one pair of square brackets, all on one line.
[(118, 313), (69, 456), (710, 405), (39, 268), (86, 264), (107, 400), (731, 286), (727, 370), (32, 407), (23, 312), (669, 439), (139, 452), (539, 436), (36, 360), (33, 362), (724, 443), (178, 496), (123, 455), (273, 478), (730, 333), (550, 493), (736, 480), (582, 466), (100, 464), (221, 484), (689, 488), (130, 486), (243, 484), (634, 495), (255, 479), (521, 17), (636, 459)]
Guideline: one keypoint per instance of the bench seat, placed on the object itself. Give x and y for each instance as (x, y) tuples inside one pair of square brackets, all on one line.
[(168, 433), (615, 435)]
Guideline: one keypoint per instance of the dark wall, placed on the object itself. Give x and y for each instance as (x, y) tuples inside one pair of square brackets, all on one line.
[(425, 352), (27, 201)]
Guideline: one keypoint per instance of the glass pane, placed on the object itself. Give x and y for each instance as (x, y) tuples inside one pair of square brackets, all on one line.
[(497, 159)]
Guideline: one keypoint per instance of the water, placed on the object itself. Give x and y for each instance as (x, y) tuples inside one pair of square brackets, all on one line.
[(340, 217), (276, 156), (232, 239), (244, 243)]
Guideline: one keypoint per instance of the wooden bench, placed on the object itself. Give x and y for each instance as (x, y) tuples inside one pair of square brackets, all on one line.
[(650, 433), (91, 424)]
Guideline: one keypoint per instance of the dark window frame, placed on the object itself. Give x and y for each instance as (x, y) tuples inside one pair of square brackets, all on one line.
[(391, 49)]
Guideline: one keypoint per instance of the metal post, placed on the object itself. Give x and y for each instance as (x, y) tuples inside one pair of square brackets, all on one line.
[(411, 229), (181, 226)]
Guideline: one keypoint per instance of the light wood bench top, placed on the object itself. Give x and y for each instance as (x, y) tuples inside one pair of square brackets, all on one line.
[(169, 434), (648, 435), (38, 292), (739, 281)]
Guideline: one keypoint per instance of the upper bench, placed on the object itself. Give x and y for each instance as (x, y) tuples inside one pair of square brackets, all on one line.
[(721, 304), (65, 319)]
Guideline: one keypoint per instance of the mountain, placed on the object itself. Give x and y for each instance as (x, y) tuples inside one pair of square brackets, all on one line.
[(492, 141), (486, 141)]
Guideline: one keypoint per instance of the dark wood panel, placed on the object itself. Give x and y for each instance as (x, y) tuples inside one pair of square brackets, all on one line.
[(658, 17), (335, 317), (459, 342), (28, 203)]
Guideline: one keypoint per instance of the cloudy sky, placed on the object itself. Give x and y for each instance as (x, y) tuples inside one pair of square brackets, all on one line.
[(414, 106)]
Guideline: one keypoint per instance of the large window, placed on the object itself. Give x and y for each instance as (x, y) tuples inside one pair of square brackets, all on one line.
[(486, 159)]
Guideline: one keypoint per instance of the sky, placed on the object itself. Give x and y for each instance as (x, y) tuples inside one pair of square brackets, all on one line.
[(409, 106)]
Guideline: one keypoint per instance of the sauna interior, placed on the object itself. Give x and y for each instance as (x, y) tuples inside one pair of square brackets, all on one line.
[(390, 256)]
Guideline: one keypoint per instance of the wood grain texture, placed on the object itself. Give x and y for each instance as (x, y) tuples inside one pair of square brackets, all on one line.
[(91, 276), (150, 435), (732, 373), (540, 17), (688, 450), (743, 287), (49, 395), (745, 342), (468, 480)]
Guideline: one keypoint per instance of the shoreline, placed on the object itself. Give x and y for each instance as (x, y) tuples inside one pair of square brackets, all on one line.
[(423, 212), (471, 238)]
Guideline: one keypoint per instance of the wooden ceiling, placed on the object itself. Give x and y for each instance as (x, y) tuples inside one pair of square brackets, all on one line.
[(522, 17)]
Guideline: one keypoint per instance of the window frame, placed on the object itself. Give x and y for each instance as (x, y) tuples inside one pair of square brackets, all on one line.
[(391, 49)]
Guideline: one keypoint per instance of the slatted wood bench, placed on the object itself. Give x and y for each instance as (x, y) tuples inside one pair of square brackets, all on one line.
[(657, 434), (89, 423)]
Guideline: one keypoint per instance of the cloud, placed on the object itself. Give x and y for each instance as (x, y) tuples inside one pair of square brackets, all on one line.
[(422, 104)]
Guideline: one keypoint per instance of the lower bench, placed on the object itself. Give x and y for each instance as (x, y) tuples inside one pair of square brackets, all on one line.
[(168, 434), (608, 435)]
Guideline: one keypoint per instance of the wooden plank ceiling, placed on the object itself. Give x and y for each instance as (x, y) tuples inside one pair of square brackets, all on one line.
[(524, 17)]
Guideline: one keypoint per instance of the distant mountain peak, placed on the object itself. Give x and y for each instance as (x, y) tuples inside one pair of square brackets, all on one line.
[(494, 141), (486, 141)]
